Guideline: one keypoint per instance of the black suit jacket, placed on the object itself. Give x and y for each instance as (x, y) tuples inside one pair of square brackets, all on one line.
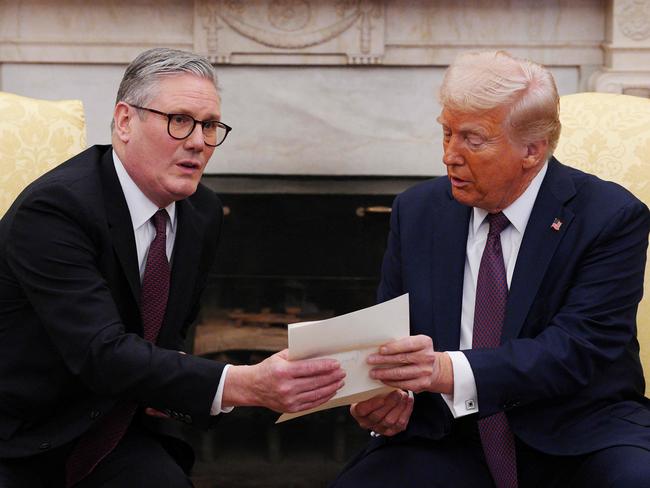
[(70, 329), (567, 373)]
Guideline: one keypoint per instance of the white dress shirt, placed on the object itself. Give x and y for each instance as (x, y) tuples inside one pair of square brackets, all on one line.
[(142, 210), (464, 400)]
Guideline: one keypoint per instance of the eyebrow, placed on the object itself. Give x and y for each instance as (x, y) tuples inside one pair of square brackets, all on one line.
[(183, 111), (468, 128)]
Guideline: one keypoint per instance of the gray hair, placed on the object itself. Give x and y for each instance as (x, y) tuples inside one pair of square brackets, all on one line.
[(476, 82), (140, 81)]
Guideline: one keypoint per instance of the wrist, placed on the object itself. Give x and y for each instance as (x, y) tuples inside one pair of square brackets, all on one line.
[(237, 391), (445, 383)]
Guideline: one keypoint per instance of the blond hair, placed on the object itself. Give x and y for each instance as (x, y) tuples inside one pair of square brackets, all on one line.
[(481, 81)]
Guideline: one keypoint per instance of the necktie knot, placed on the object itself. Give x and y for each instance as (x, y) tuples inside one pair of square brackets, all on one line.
[(498, 222), (160, 221)]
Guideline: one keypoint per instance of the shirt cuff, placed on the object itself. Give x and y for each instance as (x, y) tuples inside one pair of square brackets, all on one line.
[(216, 403), (464, 400)]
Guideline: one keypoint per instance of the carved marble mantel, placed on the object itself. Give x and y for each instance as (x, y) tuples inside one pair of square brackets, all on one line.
[(290, 31), (627, 49), (319, 86)]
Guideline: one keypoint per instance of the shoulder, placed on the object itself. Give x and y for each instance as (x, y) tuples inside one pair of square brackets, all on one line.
[(74, 183), (597, 204), (591, 193), (204, 200), (206, 211), (426, 192)]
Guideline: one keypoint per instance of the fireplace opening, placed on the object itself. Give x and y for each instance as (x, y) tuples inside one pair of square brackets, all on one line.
[(292, 249)]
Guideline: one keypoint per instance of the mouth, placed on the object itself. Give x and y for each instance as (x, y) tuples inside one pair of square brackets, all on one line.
[(457, 182), (189, 165)]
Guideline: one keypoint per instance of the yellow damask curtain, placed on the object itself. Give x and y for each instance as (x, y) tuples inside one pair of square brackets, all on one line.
[(35, 136)]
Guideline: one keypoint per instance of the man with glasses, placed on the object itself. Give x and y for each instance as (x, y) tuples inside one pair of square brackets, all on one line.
[(102, 264)]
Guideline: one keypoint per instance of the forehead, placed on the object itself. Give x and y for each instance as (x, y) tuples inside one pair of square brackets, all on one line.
[(486, 120), (187, 93)]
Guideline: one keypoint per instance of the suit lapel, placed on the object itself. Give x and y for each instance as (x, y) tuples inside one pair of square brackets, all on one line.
[(120, 225), (538, 245), (448, 256)]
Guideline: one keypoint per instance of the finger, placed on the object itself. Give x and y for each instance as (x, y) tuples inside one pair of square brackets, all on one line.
[(295, 386), (392, 359), (313, 367), (392, 417), (406, 413), (411, 344), (363, 409), (314, 398), (362, 420), (400, 373), (406, 344), (402, 422), (378, 416)]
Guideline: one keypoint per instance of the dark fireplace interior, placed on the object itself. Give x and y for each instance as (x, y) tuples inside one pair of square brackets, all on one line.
[(292, 249)]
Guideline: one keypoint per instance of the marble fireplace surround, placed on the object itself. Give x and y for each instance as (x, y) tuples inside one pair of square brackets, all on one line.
[(330, 87)]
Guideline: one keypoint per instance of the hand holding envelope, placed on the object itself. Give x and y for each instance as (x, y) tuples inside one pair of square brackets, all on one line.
[(409, 363), (350, 339), (386, 414)]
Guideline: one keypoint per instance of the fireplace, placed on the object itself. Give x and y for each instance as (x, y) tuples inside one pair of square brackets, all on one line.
[(292, 249)]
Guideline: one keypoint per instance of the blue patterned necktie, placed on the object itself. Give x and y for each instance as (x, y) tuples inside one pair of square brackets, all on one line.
[(97, 443), (489, 313)]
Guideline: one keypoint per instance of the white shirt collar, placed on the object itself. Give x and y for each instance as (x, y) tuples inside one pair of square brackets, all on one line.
[(140, 207), (518, 212)]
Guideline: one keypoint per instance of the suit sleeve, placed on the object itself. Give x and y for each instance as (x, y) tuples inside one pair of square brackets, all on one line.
[(593, 327), (53, 249)]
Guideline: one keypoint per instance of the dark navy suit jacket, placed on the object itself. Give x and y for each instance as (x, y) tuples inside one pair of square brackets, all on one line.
[(567, 372), (69, 290)]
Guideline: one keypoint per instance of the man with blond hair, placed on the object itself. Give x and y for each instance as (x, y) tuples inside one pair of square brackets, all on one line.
[(524, 278)]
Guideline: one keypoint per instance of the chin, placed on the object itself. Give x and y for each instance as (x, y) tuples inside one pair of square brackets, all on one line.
[(182, 192), (463, 198)]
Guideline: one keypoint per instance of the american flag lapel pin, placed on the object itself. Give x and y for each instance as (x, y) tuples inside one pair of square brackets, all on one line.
[(557, 223)]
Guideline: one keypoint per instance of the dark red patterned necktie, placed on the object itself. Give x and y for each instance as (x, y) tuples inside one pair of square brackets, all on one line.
[(489, 313), (96, 444)]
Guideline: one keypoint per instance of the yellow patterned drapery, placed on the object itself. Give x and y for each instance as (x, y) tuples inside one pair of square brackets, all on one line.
[(35, 136)]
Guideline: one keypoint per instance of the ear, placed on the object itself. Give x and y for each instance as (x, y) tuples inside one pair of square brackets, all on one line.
[(122, 117), (535, 153)]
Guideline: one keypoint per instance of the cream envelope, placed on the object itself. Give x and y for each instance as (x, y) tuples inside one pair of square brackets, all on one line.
[(350, 338)]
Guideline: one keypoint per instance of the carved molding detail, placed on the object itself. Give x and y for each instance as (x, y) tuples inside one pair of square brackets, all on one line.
[(351, 28), (634, 19), (623, 82)]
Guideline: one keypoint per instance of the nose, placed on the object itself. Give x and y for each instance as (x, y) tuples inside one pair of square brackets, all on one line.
[(194, 141), (451, 155)]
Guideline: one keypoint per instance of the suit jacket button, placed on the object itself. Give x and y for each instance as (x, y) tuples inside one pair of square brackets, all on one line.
[(44, 446), (94, 414)]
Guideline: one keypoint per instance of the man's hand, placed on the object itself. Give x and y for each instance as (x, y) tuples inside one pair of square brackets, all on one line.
[(412, 364), (282, 385), (386, 415)]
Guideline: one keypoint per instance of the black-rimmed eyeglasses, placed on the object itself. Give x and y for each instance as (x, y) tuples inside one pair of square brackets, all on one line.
[(180, 126)]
